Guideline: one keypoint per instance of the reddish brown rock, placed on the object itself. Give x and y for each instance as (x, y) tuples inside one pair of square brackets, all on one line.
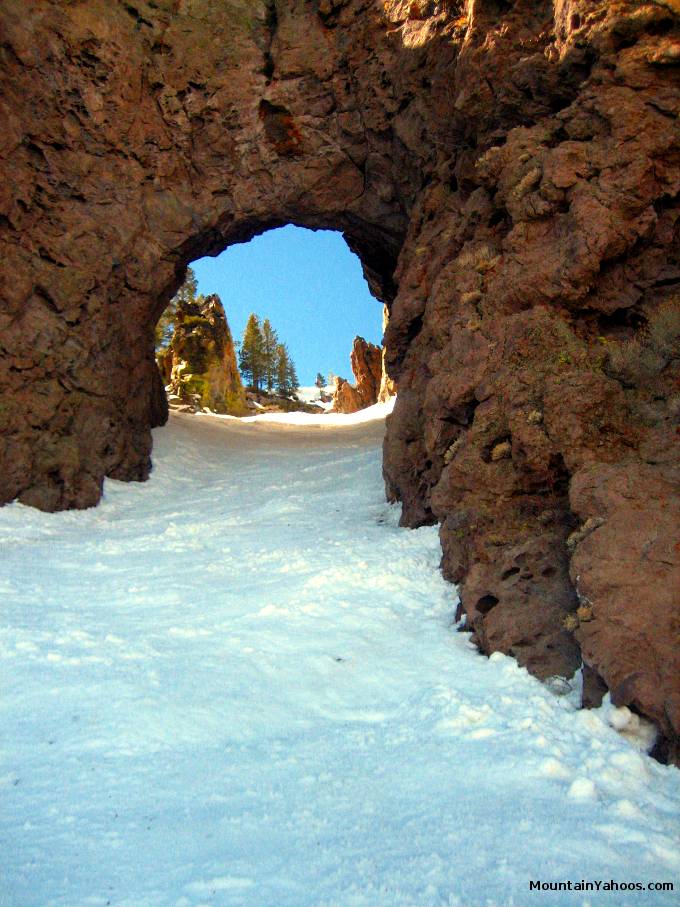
[(346, 397), (508, 174), (388, 386), (367, 367), (366, 360), (626, 571)]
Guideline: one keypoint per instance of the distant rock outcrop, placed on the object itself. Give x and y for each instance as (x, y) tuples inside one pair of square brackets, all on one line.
[(367, 367), (346, 397), (203, 370), (388, 387), (261, 401), (366, 362)]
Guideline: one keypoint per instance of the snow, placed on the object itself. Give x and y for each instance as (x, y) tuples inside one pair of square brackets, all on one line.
[(239, 684), (312, 394), (582, 789), (374, 413)]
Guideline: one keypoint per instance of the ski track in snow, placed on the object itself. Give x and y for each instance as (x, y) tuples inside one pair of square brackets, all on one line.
[(239, 684)]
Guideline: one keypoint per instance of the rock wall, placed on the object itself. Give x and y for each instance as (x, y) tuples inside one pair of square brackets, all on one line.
[(367, 367), (388, 386), (508, 173), (345, 397), (366, 360), (204, 359)]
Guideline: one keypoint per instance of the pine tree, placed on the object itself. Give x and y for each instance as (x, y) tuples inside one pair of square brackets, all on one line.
[(287, 383), (166, 323), (269, 346), (320, 381), (293, 381), (251, 354), (187, 292)]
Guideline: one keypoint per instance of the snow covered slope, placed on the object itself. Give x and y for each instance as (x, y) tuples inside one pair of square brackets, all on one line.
[(320, 419), (238, 684), (311, 394)]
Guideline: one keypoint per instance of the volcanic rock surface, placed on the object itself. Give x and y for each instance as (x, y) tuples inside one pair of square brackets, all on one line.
[(508, 173)]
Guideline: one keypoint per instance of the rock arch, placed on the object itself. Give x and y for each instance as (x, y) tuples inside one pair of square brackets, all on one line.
[(507, 173)]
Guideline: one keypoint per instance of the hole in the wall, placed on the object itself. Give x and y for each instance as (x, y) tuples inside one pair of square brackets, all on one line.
[(499, 217), (463, 414), (661, 750), (161, 48), (558, 475), (557, 137), (620, 320), (662, 27), (486, 603), (622, 40), (310, 286), (495, 9), (137, 16)]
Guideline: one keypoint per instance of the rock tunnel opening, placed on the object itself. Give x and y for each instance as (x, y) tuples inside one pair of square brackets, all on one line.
[(278, 311), (465, 140)]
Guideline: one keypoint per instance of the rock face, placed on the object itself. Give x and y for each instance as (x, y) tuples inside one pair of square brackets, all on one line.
[(388, 387), (367, 368), (508, 174), (366, 360), (204, 359), (346, 398)]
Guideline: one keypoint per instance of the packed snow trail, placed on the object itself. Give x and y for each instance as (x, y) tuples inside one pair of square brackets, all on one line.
[(239, 684)]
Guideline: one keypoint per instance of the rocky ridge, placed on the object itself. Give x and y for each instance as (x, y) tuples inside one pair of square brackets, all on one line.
[(367, 367), (508, 173), (203, 370)]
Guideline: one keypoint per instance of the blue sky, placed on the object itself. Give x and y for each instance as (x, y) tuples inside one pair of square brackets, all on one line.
[(308, 284)]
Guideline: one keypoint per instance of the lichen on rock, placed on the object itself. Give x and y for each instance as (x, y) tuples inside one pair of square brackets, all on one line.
[(203, 358)]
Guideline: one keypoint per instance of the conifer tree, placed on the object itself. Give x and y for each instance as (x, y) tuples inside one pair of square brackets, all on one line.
[(320, 381), (287, 383), (166, 323), (251, 354), (270, 343), (293, 380), (187, 292), (281, 358)]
